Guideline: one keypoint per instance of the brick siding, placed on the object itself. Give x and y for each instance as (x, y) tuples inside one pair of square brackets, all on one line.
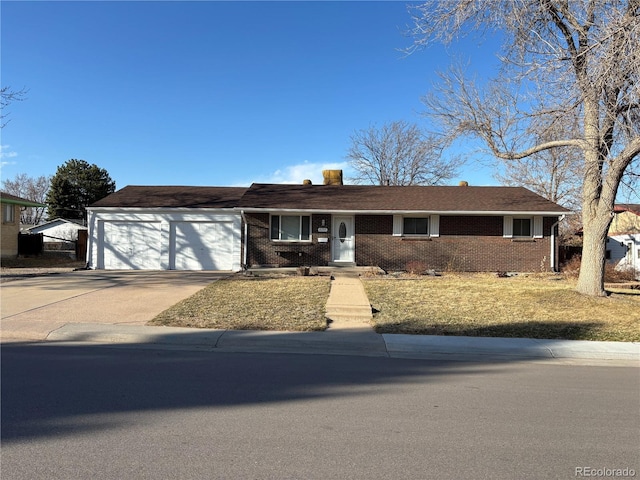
[(466, 243), (262, 251)]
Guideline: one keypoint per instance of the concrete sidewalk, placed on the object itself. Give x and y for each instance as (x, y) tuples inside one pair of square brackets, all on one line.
[(348, 306)]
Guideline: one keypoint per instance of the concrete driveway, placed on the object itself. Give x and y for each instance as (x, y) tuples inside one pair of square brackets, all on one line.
[(32, 307)]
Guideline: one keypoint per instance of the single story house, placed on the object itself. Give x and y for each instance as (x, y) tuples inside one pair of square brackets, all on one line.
[(11, 206), (58, 234), (459, 228), (623, 243)]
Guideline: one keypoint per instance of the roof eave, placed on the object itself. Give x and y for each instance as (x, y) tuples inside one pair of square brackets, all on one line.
[(160, 209), (22, 203), (406, 212)]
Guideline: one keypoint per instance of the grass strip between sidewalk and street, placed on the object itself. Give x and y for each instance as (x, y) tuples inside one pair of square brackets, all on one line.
[(293, 303), (484, 305)]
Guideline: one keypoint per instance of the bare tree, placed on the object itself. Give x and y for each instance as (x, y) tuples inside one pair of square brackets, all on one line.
[(8, 96), (553, 174), (584, 56), (398, 153), (32, 189)]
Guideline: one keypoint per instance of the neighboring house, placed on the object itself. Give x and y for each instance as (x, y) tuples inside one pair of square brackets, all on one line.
[(193, 228), (623, 244), (58, 234), (11, 205), (166, 228)]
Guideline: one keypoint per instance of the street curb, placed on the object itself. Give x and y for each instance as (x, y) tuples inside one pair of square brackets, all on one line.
[(359, 341), (515, 347), (340, 342)]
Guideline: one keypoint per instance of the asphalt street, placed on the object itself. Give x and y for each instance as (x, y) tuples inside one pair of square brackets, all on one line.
[(102, 412)]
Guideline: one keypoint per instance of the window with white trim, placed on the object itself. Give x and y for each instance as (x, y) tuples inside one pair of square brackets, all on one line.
[(8, 213), (523, 227), (291, 228), (416, 226)]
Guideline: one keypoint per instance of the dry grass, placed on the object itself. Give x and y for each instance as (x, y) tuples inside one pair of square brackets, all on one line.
[(254, 303), (483, 305)]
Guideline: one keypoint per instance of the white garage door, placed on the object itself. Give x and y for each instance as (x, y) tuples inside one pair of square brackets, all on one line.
[(130, 245), (201, 246)]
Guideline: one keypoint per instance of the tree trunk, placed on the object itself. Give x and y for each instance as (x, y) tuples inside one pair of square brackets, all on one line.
[(594, 241)]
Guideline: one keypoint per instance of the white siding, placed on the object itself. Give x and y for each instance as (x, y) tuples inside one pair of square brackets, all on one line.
[(625, 251)]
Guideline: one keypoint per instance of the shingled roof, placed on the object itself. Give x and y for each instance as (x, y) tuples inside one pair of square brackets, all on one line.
[(173, 197), (336, 198), (367, 198)]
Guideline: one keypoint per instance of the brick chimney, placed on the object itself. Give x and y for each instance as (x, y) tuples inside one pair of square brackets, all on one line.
[(332, 177)]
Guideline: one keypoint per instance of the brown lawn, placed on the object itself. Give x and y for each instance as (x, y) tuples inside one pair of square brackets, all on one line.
[(254, 303), (484, 305)]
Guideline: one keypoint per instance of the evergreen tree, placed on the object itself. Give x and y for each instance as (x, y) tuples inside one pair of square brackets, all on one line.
[(76, 185)]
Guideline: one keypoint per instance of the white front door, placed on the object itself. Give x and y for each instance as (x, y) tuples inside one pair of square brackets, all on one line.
[(343, 239)]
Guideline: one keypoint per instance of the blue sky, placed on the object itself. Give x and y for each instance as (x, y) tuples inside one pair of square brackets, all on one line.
[(210, 93)]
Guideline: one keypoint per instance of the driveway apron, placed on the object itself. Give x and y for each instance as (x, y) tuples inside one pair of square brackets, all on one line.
[(32, 307)]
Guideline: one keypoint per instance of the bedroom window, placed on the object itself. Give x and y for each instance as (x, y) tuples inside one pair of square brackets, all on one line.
[(415, 226), (291, 228)]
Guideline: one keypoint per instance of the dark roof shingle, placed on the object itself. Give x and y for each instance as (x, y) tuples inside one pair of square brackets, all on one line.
[(396, 198), (328, 198), (173, 197)]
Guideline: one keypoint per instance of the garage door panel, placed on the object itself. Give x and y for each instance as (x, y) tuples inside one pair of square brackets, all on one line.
[(131, 245), (202, 245)]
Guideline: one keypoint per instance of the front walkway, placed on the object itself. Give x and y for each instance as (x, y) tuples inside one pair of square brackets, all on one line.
[(348, 306)]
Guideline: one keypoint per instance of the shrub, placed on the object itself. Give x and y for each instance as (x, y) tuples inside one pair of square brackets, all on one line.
[(618, 276), (416, 267), (571, 269)]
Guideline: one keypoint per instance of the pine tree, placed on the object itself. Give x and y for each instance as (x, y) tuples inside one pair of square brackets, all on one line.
[(76, 185)]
